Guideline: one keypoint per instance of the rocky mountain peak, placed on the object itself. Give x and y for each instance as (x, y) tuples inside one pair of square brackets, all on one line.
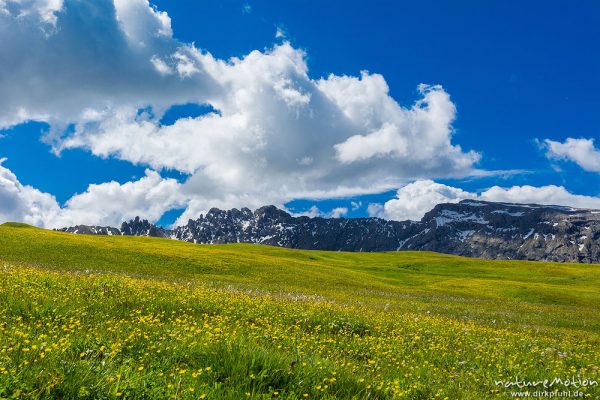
[(139, 227), (272, 213)]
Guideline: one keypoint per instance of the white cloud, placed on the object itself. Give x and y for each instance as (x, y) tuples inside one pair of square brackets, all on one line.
[(580, 151), (356, 205), (275, 137), (112, 203), (551, 195), (312, 212), (42, 10), (162, 67), (376, 210), (99, 56), (280, 33), (23, 203), (140, 21), (419, 134), (338, 212), (384, 141), (104, 204), (278, 134), (415, 199)]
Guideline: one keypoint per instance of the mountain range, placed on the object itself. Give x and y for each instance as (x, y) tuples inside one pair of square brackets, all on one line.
[(468, 228)]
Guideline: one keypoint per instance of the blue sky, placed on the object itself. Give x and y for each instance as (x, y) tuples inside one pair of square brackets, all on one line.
[(522, 77)]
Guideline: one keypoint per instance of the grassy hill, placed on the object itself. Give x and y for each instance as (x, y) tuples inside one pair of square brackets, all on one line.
[(129, 317)]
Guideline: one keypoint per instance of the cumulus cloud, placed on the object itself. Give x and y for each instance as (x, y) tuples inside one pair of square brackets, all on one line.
[(376, 210), (277, 133), (419, 134), (43, 11), (103, 204), (111, 202), (22, 202), (551, 195), (97, 57), (338, 212), (312, 212), (140, 21), (580, 151), (415, 199)]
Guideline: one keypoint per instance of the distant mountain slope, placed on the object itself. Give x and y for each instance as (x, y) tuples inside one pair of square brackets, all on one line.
[(469, 228)]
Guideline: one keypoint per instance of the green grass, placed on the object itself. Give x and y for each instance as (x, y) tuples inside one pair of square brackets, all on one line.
[(128, 317)]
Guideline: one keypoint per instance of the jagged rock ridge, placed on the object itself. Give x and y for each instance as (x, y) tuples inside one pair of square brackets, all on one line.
[(470, 228)]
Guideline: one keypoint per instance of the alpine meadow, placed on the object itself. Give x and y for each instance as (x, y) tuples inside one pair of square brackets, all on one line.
[(299, 199), (111, 317)]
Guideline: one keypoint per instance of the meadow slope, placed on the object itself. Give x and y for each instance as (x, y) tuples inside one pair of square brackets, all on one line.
[(132, 317)]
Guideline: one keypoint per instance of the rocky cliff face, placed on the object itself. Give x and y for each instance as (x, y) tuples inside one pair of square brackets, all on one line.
[(470, 228), (511, 231), (269, 225), (138, 227)]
